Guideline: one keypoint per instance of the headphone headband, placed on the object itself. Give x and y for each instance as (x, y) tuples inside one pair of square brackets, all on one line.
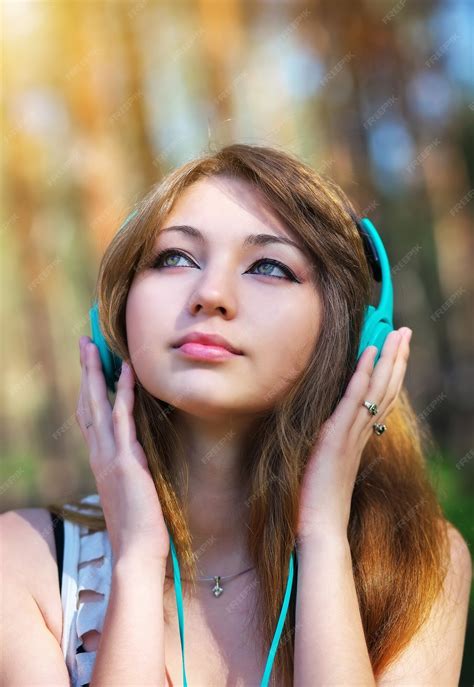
[(369, 247)]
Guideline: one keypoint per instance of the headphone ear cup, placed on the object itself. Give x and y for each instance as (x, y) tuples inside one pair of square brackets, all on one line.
[(111, 363), (374, 332)]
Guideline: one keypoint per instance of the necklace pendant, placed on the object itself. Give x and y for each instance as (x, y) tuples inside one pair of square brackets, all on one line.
[(217, 589)]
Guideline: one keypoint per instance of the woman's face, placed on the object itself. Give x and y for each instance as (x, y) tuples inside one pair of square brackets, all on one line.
[(223, 284)]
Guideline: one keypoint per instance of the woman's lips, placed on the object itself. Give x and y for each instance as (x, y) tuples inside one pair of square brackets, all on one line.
[(200, 351)]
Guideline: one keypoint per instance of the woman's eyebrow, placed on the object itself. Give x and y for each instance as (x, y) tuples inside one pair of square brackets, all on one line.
[(250, 240)]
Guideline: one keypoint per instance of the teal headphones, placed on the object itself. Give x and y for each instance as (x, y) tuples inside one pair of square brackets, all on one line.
[(378, 323)]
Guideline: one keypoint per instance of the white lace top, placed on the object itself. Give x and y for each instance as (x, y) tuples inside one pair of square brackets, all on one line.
[(87, 565)]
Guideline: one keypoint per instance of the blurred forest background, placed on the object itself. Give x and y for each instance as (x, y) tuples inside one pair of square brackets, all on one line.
[(100, 99)]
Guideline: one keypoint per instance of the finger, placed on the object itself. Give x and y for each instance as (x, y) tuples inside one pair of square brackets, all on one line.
[(99, 404), (348, 407), (383, 370), (80, 400), (83, 415), (404, 362), (122, 413), (398, 375), (376, 390), (89, 420)]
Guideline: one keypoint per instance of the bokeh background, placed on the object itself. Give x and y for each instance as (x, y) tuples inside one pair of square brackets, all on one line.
[(101, 99)]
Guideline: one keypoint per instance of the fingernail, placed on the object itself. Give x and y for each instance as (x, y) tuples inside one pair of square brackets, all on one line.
[(408, 335), (125, 367)]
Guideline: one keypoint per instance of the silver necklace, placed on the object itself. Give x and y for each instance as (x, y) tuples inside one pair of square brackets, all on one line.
[(216, 589)]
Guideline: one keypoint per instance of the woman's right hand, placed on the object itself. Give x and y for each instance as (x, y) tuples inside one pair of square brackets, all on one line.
[(127, 493)]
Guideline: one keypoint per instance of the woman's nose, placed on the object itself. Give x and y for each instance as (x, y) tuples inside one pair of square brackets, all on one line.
[(215, 290)]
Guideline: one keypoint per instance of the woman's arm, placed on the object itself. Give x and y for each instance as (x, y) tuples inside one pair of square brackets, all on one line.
[(330, 646), (131, 647), (30, 649)]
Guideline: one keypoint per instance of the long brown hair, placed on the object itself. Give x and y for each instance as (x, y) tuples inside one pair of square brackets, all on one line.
[(397, 531)]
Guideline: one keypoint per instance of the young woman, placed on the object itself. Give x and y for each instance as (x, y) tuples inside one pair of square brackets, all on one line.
[(242, 454)]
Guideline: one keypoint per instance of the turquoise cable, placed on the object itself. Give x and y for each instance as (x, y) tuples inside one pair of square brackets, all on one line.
[(278, 631), (179, 603)]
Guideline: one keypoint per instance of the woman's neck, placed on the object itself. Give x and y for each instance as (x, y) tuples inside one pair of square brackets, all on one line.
[(217, 507)]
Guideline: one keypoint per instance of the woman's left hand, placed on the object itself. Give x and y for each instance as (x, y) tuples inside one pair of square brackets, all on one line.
[(330, 474)]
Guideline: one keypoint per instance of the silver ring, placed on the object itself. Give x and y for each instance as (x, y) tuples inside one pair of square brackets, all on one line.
[(88, 424), (371, 407), (379, 429)]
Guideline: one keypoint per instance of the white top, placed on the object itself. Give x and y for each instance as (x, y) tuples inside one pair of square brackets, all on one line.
[(87, 565)]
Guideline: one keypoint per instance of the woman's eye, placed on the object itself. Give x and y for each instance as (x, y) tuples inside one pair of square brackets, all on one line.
[(161, 258), (164, 255), (275, 263)]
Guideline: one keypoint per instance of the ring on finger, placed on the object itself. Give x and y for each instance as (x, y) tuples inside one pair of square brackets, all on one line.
[(379, 429), (371, 407)]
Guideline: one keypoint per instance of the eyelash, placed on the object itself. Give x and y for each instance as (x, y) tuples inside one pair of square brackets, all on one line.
[(277, 263)]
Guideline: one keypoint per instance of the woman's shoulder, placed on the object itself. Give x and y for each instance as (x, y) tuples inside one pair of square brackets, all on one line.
[(28, 537), (30, 559)]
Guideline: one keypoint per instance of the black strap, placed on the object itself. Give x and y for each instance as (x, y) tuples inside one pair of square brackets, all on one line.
[(370, 251), (58, 529)]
